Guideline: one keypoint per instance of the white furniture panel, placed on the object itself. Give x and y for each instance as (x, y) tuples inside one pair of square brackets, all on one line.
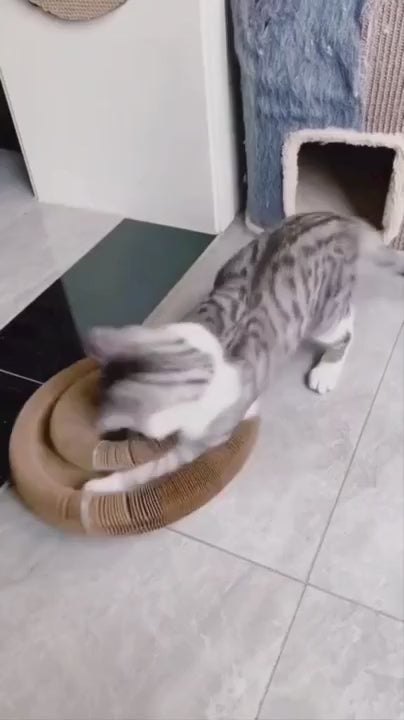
[(130, 113)]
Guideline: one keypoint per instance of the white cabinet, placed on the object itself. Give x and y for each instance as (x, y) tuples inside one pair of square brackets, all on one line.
[(130, 113)]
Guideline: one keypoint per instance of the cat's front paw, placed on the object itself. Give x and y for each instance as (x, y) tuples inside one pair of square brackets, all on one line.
[(92, 486), (104, 486), (324, 377)]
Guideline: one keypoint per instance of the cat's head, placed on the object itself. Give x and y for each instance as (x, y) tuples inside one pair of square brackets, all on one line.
[(160, 381)]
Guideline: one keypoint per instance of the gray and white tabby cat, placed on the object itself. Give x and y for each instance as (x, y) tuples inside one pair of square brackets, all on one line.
[(200, 377)]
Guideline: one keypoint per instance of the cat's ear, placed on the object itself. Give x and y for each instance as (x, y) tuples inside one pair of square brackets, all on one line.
[(99, 342), (105, 343)]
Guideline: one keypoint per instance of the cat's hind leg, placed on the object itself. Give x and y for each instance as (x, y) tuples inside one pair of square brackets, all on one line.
[(324, 376)]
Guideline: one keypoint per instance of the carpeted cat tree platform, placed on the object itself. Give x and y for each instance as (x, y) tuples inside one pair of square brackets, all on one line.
[(54, 450), (319, 73)]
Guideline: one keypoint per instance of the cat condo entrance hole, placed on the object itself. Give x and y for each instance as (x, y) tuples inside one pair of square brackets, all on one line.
[(345, 178), (352, 174)]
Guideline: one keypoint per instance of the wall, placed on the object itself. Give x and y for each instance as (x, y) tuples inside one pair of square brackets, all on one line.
[(129, 113)]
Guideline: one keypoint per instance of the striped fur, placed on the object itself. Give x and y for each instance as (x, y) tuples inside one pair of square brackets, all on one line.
[(200, 377)]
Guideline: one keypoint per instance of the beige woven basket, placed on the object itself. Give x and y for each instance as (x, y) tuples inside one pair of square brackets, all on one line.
[(78, 9)]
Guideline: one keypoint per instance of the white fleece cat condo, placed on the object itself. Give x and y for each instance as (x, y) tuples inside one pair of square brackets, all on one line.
[(323, 108)]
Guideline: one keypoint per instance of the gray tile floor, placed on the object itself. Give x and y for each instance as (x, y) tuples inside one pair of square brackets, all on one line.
[(282, 599), (38, 242)]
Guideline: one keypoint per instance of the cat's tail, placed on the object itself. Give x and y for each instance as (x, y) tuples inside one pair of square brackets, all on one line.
[(373, 248)]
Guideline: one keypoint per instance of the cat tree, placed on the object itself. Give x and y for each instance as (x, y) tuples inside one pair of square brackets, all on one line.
[(323, 82)]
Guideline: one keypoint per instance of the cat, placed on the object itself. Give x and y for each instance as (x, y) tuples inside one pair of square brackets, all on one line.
[(199, 378)]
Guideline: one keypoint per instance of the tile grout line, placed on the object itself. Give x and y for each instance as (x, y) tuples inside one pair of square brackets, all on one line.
[(20, 377), (232, 554), (352, 458), (269, 570), (306, 583), (302, 583), (358, 603), (281, 649), (322, 538), (275, 571)]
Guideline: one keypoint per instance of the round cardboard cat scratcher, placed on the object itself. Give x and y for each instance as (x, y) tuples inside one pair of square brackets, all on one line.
[(78, 9), (54, 450)]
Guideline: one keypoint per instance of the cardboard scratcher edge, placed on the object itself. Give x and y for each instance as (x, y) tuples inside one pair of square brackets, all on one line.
[(51, 487)]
